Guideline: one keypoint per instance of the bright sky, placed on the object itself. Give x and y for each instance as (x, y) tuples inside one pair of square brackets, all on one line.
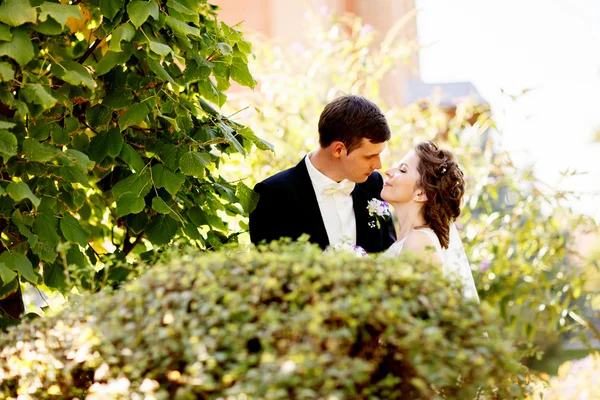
[(550, 46)]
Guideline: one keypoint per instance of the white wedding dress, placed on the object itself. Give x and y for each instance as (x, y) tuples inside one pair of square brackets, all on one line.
[(454, 259)]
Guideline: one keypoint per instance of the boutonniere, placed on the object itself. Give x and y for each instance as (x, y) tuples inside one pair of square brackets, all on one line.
[(345, 247), (379, 210)]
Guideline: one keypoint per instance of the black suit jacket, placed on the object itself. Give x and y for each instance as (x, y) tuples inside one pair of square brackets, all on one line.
[(288, 207)]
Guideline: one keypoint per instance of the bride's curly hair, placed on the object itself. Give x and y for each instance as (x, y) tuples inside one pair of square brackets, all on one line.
[(444, 185)]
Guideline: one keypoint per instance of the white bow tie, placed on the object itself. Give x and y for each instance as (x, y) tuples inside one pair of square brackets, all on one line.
[(344, 188)]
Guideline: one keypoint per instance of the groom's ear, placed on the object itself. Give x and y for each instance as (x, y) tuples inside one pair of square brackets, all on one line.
[(338, 149), (420, 196)]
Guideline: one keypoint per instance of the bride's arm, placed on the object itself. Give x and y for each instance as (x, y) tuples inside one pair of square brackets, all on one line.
[(420, 244)]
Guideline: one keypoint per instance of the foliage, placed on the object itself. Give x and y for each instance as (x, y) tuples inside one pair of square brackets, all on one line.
[(518, 233), (576, 379), (289, 322), (108, 139)]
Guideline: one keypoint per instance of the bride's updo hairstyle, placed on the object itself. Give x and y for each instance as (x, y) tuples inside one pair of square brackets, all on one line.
[(444, 185)]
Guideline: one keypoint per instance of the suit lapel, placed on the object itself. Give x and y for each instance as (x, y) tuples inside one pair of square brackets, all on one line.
[(308, 201), (359, 200)]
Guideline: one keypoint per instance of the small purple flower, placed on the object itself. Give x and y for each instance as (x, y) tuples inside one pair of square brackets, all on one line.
[(459, 226), (484, 266), (359, 251)]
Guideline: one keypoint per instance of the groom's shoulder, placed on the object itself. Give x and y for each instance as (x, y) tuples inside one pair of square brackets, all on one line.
[(281, 179)]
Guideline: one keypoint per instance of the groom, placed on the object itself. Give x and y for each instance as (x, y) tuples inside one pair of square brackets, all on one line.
[(326, 194)]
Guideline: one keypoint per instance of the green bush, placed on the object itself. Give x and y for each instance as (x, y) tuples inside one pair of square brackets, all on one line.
[(281, 324)]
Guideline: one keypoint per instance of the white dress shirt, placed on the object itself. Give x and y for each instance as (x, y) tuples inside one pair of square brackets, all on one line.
[(337, 209)]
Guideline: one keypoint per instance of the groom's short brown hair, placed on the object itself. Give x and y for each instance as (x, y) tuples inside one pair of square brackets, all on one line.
[(349, 119)]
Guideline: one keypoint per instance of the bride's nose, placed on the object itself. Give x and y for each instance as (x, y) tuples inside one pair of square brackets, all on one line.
[(389, 172)]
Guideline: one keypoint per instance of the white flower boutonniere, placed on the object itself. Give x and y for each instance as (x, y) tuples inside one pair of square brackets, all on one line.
[(378, 209), (345, 247)]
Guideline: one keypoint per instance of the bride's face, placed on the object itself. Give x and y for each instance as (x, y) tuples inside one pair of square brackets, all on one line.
[(401, 181)]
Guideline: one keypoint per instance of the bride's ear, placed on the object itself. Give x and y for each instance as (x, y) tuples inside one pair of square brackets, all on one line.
[(420, 196)]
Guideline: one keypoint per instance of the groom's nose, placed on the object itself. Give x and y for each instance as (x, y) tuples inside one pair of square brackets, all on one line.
[(377, 163)]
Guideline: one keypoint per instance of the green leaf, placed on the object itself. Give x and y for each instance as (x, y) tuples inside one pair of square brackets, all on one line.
[(6, 291), (110, 8), (181, 28), (60, 136), (159, 48), (228, 132), (110, 60), (5, 34), (133, 116), (74, 73), (160, 206), (59, 12), (98, 115), (20, 48), (198, 216), (38, 94), (139, 11), (45, 227), (241, 74), (17, 12), (187, 13), (118, 98), (248, 197), (54, 276), (19, 191), (7, 125), (224, 48), (6, 274), (72, 231), (164, 177), (71, 124), (74, 175), (124, 32), (45, 251), (105, 143), (130, 203), (21, 222), (48, 27), (138, 184), (158, 69), (8, 145), (194, 163), (132, 158), (40, 152), (18, 262), (209, 91), (79, 159), (260, 143), (114, 142), (161, 230), (7, 73)]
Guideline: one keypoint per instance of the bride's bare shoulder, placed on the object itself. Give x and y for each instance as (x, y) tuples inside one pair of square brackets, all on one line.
[(419, 242)]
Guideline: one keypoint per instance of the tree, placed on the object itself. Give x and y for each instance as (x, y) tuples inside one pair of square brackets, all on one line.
[(110, 137)]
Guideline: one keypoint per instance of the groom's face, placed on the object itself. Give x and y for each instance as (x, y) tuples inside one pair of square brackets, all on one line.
[(362, 161)]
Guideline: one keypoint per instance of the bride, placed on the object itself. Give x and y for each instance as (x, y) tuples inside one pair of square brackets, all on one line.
[(426, 191)]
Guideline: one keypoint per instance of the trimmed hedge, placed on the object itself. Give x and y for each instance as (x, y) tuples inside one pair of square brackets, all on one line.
[(285, 323)]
